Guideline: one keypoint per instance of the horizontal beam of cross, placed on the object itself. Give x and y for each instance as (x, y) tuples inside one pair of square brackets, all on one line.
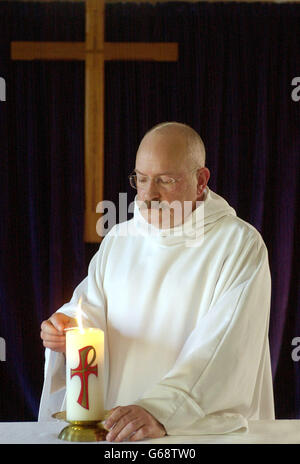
[(76, 51)]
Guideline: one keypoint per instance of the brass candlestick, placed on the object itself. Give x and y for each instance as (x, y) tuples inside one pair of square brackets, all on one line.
[(81, 431)]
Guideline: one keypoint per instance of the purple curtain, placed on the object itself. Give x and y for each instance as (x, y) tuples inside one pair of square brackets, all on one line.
[(42, 194), (232, 83)]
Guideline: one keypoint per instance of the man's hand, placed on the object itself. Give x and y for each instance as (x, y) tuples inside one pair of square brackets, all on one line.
[(132, 423), (52, 331)]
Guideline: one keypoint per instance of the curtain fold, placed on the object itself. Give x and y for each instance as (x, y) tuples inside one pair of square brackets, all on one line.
[(232, 83)]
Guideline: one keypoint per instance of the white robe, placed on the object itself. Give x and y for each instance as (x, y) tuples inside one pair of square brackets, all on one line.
[(186, 327)]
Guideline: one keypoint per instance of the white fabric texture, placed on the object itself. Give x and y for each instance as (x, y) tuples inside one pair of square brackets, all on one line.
[(186, 326)]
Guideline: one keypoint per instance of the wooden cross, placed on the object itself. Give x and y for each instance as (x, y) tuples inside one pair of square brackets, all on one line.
[(95, 52)]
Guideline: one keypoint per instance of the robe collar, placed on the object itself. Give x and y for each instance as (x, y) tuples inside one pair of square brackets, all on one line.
[(191, 233)]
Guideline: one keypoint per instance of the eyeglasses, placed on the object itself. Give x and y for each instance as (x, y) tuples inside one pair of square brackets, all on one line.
[(164, 182)]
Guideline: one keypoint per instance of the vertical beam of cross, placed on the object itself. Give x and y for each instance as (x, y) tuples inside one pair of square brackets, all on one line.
[(94, 115)]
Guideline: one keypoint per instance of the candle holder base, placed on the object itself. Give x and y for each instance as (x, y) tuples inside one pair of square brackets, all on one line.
[(81, 431)]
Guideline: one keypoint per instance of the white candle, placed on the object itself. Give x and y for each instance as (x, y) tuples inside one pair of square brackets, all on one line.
[(84, 372)]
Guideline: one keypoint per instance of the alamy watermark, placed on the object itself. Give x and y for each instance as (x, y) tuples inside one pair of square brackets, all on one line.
[(2, 349), (155, 218), (296, 350), (296, 91), (2, 89)]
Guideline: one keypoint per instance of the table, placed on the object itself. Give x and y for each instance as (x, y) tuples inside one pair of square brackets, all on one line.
[(260, 432)]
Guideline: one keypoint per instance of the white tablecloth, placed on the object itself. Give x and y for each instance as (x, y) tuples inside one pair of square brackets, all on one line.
[(260, 432)]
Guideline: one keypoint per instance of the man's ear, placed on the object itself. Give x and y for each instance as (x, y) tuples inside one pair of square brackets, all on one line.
[(203, 178)]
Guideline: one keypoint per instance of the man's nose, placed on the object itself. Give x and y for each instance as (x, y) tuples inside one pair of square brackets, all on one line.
[(151, 191)]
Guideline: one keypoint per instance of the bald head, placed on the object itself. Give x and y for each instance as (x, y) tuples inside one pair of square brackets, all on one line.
[(185, 142), (170, 168)]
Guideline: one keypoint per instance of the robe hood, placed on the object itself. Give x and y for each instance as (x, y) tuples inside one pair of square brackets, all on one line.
[(192, 231)]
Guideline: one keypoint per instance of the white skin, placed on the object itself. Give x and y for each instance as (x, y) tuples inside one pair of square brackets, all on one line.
[(159, 152), (163, 153)]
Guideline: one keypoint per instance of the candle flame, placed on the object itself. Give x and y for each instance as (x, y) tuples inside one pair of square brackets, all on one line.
[(79, 315)]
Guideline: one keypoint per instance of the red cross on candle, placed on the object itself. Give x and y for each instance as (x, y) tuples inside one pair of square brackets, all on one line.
[(83, 370)]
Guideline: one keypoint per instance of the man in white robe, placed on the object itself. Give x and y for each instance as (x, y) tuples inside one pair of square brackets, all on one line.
[(184, 307)]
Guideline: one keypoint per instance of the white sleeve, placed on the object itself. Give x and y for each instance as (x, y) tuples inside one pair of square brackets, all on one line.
[(216, 382), (94, 315)]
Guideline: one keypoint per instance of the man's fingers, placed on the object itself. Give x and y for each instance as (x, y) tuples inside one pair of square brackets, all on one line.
[(148, 431), (140, 434), (59, 321), (52, 331), (56, 324), (52, 338), (117, 421), (122, 428), (128, 430), (54, 346), (115, 415), (48, 328), (132, 423)]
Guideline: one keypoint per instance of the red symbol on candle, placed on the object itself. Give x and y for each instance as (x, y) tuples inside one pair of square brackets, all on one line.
[(83, 370)]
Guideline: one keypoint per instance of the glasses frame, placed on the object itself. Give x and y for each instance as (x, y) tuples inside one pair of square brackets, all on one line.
[(133, 175)]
